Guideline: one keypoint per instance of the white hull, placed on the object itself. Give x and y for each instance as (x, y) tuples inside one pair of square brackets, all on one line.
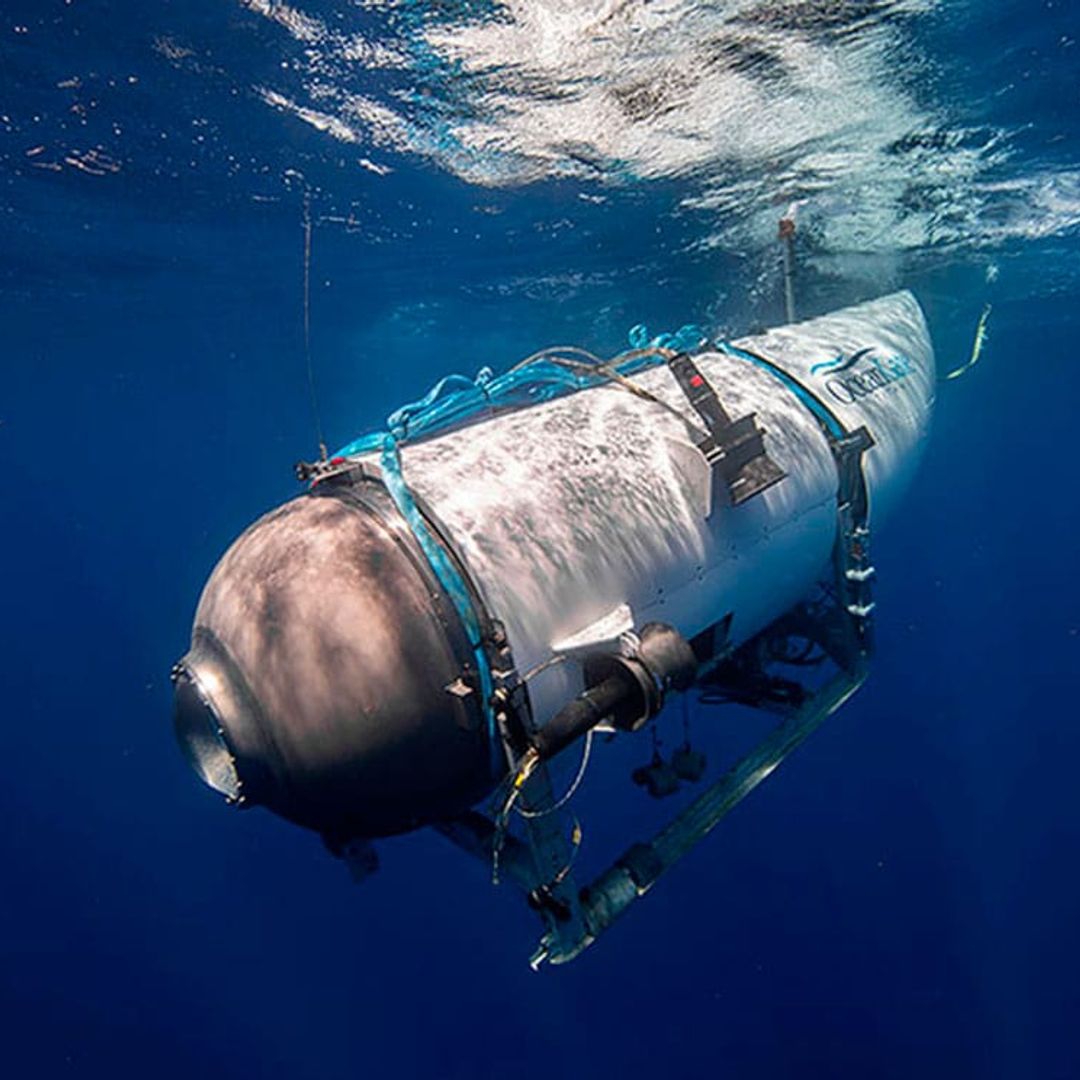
[(564, 511)]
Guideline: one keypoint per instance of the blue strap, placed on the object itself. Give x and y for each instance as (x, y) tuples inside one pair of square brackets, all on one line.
[(444, 569), (452, 386), (686, 339), (821, 412), (455, 400)]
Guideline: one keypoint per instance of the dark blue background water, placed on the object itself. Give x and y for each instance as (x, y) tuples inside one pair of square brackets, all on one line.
[(900, 900)]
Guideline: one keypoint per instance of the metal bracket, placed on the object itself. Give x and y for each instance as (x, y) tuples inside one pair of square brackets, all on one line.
[(733, 448), (853, 570)]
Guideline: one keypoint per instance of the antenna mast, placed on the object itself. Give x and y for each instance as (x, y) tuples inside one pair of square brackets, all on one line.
[(307, 328)]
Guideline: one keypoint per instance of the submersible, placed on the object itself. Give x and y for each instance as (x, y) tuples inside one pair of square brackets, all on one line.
[(519, 559)]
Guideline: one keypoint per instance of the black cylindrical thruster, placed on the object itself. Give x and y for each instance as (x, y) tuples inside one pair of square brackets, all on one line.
[(582, 715), (663, 661), (667, 655)]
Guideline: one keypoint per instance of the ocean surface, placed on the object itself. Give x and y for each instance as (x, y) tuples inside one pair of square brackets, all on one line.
[(901, 899)]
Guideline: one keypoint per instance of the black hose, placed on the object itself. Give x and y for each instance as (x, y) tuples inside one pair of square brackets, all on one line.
[(581, 715)]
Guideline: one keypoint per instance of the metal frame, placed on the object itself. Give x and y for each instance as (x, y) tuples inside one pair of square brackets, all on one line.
[(540, 863)]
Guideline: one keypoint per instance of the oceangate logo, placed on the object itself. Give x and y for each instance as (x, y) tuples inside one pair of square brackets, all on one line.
[(849, 378)]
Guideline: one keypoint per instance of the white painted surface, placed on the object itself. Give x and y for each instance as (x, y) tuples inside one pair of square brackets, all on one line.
[(564, 511)]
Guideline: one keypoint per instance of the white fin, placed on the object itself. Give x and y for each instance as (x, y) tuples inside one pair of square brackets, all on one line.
[(689, 462), (604, 631)]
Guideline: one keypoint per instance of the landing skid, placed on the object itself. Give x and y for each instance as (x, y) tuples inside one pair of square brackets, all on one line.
[(637, 870)]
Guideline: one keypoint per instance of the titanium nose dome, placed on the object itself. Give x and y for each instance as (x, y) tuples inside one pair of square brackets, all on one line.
[(317, 681)]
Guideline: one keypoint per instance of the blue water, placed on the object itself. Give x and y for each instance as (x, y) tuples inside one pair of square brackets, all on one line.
[(900, 899)]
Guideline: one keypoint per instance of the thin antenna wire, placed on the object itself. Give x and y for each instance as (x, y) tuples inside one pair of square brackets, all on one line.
[(307, 327)]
